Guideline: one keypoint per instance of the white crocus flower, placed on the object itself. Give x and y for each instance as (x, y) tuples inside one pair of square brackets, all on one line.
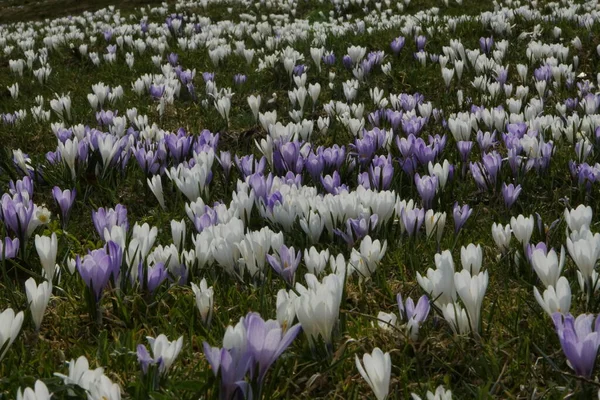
[(376, 371), (38, 297), (555, 300), (471, 289), (548, 266), (204, 300)]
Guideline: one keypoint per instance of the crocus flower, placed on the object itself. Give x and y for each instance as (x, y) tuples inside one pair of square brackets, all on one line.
[(579, 217), (107, 218), (10, 326), (471, 258), (547, 265), (95, 270), (157, 274), (239, 79), (522, 228), (555, 300), (8, 248), (376, 371), (427, 187), (46, 248), (204, 300), (510, 194), (440, 394), (501, 235), (40, 392), (397, 44), (64, 199), (17, 213), (412, 220), (286, 263), (471, 289), (318, 306), (413, 316), (439, 282), (267, 341), (461, 215), (578, 341), (164, 353), (38, 297)]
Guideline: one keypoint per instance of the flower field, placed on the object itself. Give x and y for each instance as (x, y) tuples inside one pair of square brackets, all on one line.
[(307, 199)]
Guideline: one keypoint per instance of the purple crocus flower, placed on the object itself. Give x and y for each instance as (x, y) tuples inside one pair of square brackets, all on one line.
[(179, 145), (248, 166), (413, 316), (480, 175), (420, 41), (239, 79), (510, 194), (261, 185), (315, 164), (233, 365), (364, 180), (16, 212), (289, 157), (492, 163), (157, 274), (332, 182), (578, 341), (461, 215), (24, 185), (65, 200), (9, 248), (329, 58), (347, 61), (208, 76), (464, 149), (334, 156), (285, 263), (107, 218), (209, 218), (225, 162), (145, 359), (156, 91), (173, 58), (397, 44), (299, 69), (95, 270), (486, 44), (412, 220), (357, 228), (267, 341), (427, 187), (251, 347)]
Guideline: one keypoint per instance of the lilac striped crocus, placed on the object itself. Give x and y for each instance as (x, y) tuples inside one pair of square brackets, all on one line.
[(250, 348), (95, 269), (285, 263), (510, 193), (578, 341), (64, 199), (413, 316), (461, 215), (157, 274), (9, 248), (107, 218), (17, 212), (427, 187)]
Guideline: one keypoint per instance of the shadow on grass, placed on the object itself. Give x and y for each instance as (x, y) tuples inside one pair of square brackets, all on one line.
[(35, 10)]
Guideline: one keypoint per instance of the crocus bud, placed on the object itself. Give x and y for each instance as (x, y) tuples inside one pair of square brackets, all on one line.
[(38, 297)]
